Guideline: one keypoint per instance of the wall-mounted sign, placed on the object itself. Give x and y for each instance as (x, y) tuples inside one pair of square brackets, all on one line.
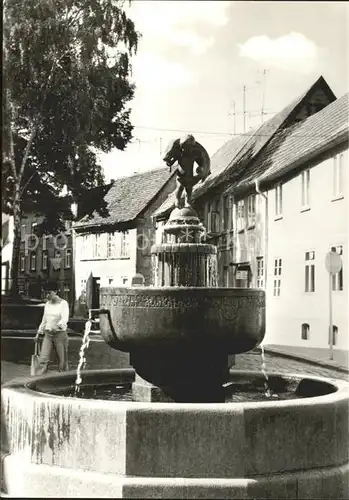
[(241, 275)]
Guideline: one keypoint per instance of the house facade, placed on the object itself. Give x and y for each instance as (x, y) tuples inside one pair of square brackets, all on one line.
[(300, 214), (308, 218), (7, 228), (46, 258), (301, 171), (117, 246)]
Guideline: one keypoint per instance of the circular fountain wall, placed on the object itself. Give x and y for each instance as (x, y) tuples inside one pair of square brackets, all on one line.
[(73, 447)]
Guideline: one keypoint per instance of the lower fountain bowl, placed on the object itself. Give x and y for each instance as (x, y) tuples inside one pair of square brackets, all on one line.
[(58, 446), (231, 319)]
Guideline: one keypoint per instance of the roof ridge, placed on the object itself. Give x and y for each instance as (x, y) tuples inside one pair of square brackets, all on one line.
[(140, 174)]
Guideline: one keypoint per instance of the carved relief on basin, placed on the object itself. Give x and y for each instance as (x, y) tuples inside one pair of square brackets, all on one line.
[(234, 318)]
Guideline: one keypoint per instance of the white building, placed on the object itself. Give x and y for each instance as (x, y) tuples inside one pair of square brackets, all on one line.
[(302, 179), (308, 217)]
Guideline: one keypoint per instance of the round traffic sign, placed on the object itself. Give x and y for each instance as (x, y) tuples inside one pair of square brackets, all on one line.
[(333, 262)]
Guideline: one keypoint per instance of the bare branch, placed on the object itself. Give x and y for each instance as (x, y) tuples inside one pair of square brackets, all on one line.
[(27, 151), (26, 184)]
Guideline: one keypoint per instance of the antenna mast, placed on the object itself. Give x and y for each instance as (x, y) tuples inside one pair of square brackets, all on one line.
[(264, 84), (234, 116), (244, 105)]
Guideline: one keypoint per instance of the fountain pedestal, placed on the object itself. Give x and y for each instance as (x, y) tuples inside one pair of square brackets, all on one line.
[(185, 374), (144, 391)]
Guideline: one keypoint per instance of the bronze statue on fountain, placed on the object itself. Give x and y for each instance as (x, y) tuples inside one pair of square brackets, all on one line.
[(186, 151)]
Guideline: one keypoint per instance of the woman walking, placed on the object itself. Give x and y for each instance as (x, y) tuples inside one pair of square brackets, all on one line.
[(54, 329)]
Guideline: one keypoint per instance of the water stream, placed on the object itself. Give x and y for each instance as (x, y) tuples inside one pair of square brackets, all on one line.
[(268, 392), (82, 355)]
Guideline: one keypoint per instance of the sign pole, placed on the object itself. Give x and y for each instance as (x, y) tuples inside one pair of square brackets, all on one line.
[(333, 264), (331, 320)]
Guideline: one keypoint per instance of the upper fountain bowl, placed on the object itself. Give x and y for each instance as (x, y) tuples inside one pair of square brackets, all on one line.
[(232, 319)]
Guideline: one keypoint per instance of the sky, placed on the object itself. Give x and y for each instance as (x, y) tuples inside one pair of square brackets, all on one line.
[(196, 57)]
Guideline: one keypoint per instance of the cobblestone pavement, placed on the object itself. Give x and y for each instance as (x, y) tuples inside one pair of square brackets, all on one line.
[(280, 364), (249, 361)]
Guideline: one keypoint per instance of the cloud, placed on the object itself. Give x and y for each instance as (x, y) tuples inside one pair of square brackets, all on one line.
[(153, 71), (289, 52), (177, 23), (186, 38)]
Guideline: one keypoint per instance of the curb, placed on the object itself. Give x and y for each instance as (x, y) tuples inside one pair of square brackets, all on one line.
[(307, 359)]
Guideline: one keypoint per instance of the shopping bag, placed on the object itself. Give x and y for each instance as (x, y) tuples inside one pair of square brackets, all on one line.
[(35, 364)]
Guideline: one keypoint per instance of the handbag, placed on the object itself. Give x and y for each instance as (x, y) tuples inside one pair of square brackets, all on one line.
[(35, 360)]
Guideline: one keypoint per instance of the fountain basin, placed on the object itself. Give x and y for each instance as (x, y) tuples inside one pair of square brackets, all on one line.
[(67, 447), (231, 318)]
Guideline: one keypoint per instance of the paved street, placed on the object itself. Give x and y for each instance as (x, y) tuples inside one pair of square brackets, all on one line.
[(249, 361), (284, 365)]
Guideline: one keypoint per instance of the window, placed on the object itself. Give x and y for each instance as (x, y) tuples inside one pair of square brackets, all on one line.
[(124, 250), (44, 260), (215, 217), (338, 170), (22, 262), (260, 272), (334, 335), (66, 292), (209, 217), (226, 275), (337, 279), (305, 188), (33, 228), (111, 245), (56, 261), (67, 262), (83, 291), (124, 280), (226, 212), (251, 210), (95, 245), (310, 271), (232, 213), (240, 215), (277, 277), (23, 231), (33, 262), (305, 331), (68, 224), (110, 281), (86, 248), (278, 200), (44, 242)]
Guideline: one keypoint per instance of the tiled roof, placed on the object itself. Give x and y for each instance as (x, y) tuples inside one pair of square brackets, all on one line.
[(292, 145), (230, 160), (128, 197)]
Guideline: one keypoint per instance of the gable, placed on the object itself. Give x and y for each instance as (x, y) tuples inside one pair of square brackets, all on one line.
[(315, 102)]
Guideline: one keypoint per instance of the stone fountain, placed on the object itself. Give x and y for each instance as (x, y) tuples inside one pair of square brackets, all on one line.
[(178, 433), (181, 331)]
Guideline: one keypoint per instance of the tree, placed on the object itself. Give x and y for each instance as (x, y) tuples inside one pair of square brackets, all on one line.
[(66, 86)]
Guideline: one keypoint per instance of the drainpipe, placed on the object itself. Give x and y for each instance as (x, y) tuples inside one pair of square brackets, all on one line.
[(256, 182)]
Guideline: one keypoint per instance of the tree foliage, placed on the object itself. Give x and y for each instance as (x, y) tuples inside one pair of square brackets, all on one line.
[(67, 86)]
